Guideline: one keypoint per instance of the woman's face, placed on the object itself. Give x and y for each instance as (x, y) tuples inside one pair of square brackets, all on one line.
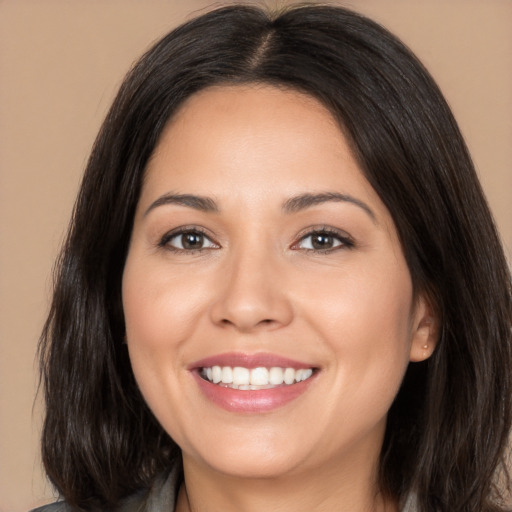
[(261, 256)]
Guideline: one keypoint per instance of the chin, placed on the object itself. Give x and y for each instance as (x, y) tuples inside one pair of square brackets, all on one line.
[(251, 458), (257, 468)]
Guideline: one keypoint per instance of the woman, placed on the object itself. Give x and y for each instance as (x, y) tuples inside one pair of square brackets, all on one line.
[(282, 286)]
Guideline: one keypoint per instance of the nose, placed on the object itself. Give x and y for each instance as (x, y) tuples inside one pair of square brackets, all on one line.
[(253, 295)]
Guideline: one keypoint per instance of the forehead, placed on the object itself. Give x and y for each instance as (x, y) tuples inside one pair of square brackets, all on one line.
[(245, 140), (253, 114)]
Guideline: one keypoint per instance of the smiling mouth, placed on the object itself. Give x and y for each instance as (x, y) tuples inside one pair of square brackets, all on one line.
[(251, 379)]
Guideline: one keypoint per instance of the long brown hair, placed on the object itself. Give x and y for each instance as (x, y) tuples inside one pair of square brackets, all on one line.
[(447, 429)]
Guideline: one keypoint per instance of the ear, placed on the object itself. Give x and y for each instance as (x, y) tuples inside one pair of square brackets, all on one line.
[(425, 331)]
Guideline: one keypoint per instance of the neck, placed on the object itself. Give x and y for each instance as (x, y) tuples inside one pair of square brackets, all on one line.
[(332, 490)]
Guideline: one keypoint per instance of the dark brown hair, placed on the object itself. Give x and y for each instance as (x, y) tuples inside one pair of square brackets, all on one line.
[(447, 429)]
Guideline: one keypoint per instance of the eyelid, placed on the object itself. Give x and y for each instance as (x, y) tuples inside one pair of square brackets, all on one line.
[(181, 230), (347, 242)]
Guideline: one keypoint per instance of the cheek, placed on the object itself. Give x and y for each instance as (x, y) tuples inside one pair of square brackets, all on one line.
[(371, 304), (161, 314), (160, 308), (365, 317)]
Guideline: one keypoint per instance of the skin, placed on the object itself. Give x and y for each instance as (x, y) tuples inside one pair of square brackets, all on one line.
[(258, 286)]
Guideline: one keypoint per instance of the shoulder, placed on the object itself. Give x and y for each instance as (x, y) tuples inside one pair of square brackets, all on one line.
[(59, 506), (410, 504), (161, 496), (134, 503)]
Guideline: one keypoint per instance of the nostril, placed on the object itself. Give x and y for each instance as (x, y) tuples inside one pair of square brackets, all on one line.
[(264, 321), (250, 325)]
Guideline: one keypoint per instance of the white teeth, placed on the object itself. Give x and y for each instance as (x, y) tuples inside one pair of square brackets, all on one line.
[(227, 375), (216, 374), (255, 378), (241, 376), (307, 373), (259, 377), (303, 374), (289, 376), (276, 376)]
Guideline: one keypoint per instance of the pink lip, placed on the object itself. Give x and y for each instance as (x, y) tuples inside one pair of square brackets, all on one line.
[(250, 401), (249, 361)]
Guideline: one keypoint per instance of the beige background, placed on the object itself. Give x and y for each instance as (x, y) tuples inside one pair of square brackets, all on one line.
[(61, 61)]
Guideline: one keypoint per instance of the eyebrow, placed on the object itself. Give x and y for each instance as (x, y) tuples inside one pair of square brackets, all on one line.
[(201, 203), (304, 201), (292, 205)]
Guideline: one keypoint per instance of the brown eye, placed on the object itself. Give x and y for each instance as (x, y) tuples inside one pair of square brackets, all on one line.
[(189, 241), (192, 241), (323, 241)]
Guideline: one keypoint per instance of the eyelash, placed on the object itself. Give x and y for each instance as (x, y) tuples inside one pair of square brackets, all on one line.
[(345, 241), (193, 230)]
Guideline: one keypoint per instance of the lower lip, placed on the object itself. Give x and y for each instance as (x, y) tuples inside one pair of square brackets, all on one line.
[(251, 401)]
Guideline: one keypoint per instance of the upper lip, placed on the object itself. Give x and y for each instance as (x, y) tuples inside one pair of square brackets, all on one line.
[(259, 360)]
